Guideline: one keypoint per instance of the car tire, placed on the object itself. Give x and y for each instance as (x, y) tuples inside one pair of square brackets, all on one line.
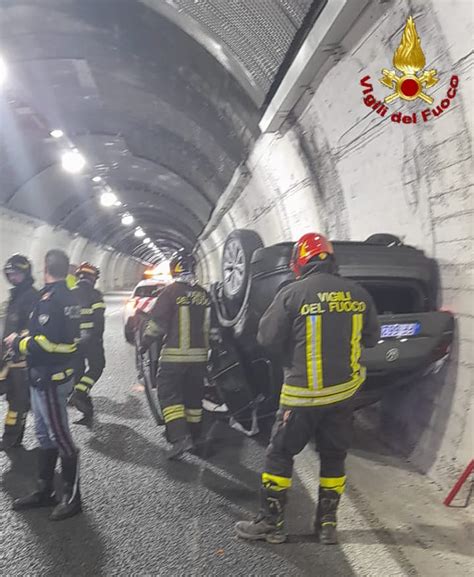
[(236, 256)]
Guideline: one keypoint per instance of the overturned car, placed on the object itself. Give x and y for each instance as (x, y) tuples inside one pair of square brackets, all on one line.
[(415, 335)]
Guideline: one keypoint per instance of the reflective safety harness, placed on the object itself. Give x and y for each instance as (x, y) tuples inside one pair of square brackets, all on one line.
[(184, 353), (317, 393)]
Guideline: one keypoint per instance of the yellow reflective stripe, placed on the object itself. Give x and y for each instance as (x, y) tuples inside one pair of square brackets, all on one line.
[(86, 326), (173, 408), (87, 380), (194, 411), (99, 305), (193, 415), (337, 484), (184, 327), (23, 346), (173, 412), (302, 401), (275, 483), (183, 358), (11, 418), (191, 419), (81, 387), (318, 351), (63, 375), (86, 311), (50, 347), (355, 343), (309, 351)]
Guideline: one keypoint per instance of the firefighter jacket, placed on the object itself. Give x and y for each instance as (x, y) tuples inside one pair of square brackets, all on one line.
[(182, 318), (92, 311), (319, 324), (50, 347), (20, 304)]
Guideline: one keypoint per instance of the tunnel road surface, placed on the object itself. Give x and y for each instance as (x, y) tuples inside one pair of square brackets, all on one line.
[(146, 516)]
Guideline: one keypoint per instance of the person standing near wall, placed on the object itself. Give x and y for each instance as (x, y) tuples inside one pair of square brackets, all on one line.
[(91, 346), (319, 324), (23, 297), (50, 350)]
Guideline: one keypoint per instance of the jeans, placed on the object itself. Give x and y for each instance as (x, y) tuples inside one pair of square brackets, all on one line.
[(49, 406)]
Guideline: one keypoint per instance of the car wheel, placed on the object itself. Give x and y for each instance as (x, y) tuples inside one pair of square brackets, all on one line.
[(237, 254)]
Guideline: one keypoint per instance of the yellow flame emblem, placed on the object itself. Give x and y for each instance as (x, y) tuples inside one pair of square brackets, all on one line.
[(409, 59)]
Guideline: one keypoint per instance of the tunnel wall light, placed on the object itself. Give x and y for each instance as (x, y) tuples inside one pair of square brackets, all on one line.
[(3, 72), (139, 232), (57, 133), (127, 219), (146, 240), (97, 179), (108, 199), (72, 161)]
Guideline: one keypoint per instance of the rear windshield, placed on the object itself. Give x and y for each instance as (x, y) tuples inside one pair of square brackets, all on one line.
[(148, 291), (396, 297)]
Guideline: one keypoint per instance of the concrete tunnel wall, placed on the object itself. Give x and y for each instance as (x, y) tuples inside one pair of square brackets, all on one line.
[(34, 238), (341, 169)]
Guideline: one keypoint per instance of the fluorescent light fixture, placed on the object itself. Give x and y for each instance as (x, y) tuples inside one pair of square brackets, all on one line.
[(146, 240), (117, 203), (139, 232), (97, 179), (3, 72), (127, 219), (72, 161), (57, 133), (108, 199)]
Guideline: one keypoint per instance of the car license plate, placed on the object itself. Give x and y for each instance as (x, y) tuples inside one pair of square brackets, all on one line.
[(400, 330)]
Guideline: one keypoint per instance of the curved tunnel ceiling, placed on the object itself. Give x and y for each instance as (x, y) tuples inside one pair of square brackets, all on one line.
[(162, 98)]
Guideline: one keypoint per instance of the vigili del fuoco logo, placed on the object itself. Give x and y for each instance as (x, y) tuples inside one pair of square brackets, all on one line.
[(411, 82)]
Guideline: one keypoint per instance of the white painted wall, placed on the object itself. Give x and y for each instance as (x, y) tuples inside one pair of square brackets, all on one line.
[(342, 170), (34, 238)]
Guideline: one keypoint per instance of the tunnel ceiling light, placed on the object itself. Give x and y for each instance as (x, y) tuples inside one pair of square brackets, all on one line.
[(117, 203), (139, 232), (97, 179), (127, 219), (57, 133), (3, 72), (108, 199), (146, 240), (72, 161)]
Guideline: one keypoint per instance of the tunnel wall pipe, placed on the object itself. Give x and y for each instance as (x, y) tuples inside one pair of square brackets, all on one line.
[(340, 169), (34, 238)]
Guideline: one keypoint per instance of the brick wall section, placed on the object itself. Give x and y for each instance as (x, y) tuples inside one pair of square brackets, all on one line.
[(341, 169)]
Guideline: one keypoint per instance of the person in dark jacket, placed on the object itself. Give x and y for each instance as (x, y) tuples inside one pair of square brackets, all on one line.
[(50, 350), (23, 297), (91, 347), (319, 324), (181, 319)]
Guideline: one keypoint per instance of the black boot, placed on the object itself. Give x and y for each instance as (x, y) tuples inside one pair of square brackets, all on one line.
[(83, 403), (13, 434), (326, 516), (70, 504), (44, 494), (179, 448), (269, 523)]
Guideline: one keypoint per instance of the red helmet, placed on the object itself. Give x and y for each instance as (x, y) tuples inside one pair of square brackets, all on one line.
[(87, 270), (310, 246)]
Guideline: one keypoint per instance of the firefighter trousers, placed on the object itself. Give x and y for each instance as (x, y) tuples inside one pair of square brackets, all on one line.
[(91, 366), (331, 429), (49, 405), (180, 389), (18, 399)]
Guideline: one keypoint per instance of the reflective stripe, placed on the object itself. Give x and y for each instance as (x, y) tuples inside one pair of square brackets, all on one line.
[(275, 483), (86, 311), (172, 355), (81, 387), (50, 347), (309, 351), (318, 345), (193, 415), (63, 375), (23, 346), (314, 361), (184, 328), (355, 344), (11, 418), (173, 412), (99, 305), (86, 326), (87, 380), (337, 484), (306, 400)]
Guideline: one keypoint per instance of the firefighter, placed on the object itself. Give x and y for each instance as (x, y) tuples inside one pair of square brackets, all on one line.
[(92, 363), (23, 297), (181, 321), (319, 324), (50, 350)]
